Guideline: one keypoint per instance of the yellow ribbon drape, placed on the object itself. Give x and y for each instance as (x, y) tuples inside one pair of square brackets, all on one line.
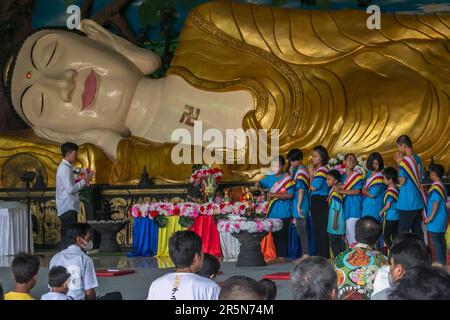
[(164, 235)]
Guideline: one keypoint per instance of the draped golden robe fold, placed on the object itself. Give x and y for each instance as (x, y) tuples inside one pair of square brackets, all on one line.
[(322, 77)]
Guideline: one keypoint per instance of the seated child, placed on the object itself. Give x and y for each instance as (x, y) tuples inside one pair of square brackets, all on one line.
[(336, 219), (389, 211), (270, 287), (436, 220), (210, 267), (58, 283), (24, 269)]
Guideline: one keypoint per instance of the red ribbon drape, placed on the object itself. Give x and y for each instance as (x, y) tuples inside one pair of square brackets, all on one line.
[(206, 228)]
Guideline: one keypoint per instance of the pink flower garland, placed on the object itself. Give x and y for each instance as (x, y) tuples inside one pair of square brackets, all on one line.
[(236, 225), (192, 209)]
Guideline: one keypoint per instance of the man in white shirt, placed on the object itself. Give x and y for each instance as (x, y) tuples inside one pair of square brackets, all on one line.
[(185, 250), (67, 199), (83, 279)]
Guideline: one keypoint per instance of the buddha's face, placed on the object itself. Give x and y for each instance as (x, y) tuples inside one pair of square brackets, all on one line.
[(69, 82)]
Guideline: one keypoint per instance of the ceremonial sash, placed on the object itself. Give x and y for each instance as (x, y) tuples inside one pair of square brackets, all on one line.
[(321, 173), (390, 192), (412, 171), (352, 180), (438, 187), (375, 179), (280, 187), (302, 175), (336, 196)]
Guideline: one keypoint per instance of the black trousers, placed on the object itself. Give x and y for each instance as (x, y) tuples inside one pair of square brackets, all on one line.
[(281, 239), (410, 221), (390, 232), (319, 216), (68, 219), (337, 244)]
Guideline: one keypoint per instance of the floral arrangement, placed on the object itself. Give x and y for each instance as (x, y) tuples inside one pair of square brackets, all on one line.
[(207, 179), (338, 164), (238, 224), (193, 210), (86, 193), (80, 173)]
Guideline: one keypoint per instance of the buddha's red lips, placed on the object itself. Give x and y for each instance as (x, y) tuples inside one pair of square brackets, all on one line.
[(90, 88)]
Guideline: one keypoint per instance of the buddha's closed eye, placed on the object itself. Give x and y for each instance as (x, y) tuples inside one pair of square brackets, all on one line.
[(42, 104), (55, 46)]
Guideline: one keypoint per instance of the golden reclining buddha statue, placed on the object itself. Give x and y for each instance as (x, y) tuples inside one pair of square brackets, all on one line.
[(320, 77)]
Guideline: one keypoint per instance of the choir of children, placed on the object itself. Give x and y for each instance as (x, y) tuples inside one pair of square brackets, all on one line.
[(335, 200)]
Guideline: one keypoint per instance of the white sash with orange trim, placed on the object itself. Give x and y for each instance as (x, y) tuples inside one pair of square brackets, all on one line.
[(281, 186), (411, 169)]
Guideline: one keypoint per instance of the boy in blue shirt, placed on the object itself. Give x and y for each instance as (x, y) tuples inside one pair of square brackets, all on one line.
[(411, 199), (389, 211), (436, 220), (336, 219)]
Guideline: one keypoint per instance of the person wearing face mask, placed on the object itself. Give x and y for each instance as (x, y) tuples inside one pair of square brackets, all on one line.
[(58, 283), (83, 279), (404, 256)]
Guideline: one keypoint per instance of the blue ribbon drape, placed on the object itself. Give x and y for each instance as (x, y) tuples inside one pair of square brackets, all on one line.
[(295, 247), (145, 238)]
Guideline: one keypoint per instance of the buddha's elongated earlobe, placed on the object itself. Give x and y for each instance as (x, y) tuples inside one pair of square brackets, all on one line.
[(106, 140), (145, 60)]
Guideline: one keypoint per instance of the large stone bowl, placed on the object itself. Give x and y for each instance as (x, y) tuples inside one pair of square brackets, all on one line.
[(108, 231), (250, 254)]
